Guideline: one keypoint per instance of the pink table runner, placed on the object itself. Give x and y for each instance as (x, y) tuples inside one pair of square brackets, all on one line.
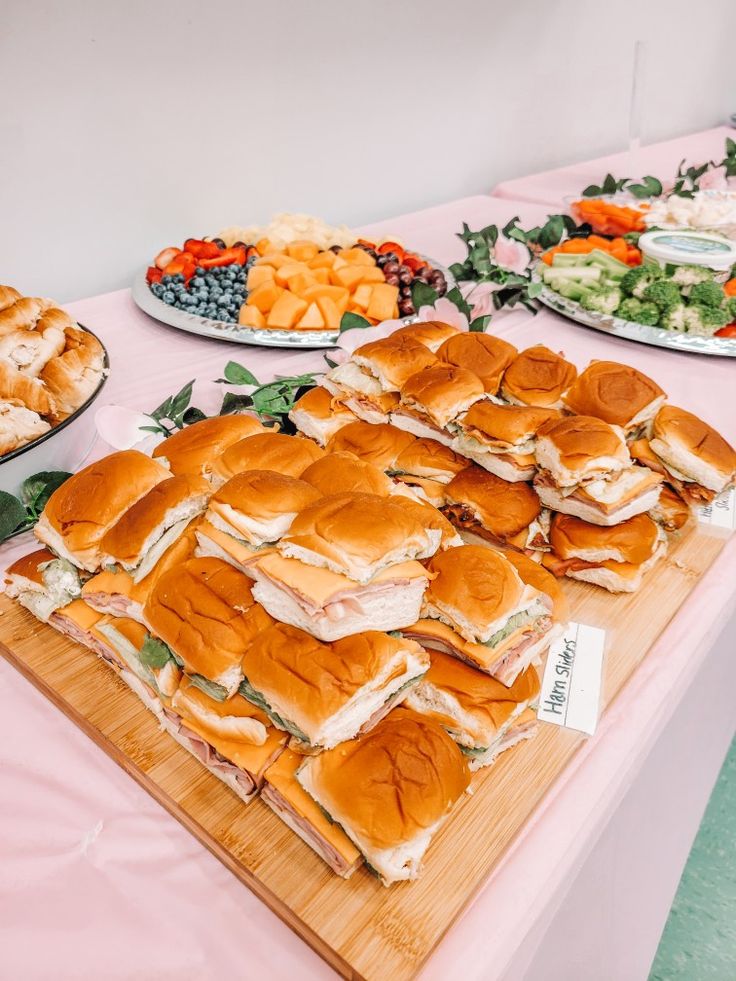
[(97, 880)]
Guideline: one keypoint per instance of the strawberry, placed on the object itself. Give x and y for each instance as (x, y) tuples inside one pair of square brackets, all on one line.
[(728, 331), (165, 256), (364, 242), (225, 258), (153, 274), (201, 249), (391, 247), (414, 262), (184, 263)]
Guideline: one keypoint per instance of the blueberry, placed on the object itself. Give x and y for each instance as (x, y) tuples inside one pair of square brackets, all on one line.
[(198, 281), (203, 294), (168, 296)]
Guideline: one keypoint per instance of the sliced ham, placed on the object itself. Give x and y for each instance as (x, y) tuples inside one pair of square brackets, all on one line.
[(560, 567), (115, 604), (342, 603)]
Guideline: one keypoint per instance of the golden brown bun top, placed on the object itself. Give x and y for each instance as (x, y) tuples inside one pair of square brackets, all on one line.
[(363, 526), (27, 565), (442, 387), (636, 538), (195, 448), (678, 427), (396, 357), (477, 692), (394, 782), (475, 580), (264, 494), (579, 439), (125, 539), (642, 452), (610, 391), (178, 552), (427, 458), (538, 376), (379, 444), (673, 509), (204, 610), (342, 473), (534, 574), (504, 508), (485, 355), (289, 455), (427, 515), (318, 402), (312, 680), (508, 423), (85, 506), (431, 333)]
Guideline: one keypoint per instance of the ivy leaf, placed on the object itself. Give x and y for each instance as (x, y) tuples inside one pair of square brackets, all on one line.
[(479, 325), (232, 404), (351, 321), (730, 147), (12, 515), (456, 297), (650, 187), (181, 400), (192, 415), (422, 295), (329, 362), (533, 290), (38, 489), (551, 232), (236, 374), (592, 191), (162, 411)]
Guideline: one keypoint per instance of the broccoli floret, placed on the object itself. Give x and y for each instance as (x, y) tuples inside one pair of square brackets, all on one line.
[(629, 308), (602, 299), (704, 320), (675, 318), (708, 294), (663, 293), (691, 275), (649, 314), (730, 308), (636, 280)]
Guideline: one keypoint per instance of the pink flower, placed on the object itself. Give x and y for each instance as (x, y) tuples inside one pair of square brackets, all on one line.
[(349, 340), (446, 312), (714, 179), (511, 255), (479, 296)]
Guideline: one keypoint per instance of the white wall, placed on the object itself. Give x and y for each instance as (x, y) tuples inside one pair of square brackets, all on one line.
[(127, 126)]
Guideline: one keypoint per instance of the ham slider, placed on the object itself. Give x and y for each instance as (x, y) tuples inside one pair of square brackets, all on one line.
[(615, 558), (344, 473), (481, 714), (194, 449), (390, 790), (586, 471), (42, 583), (483, 354), (266, 451), (323, 694), (477, 608), (435, 397), (501, 438), (431, 333), (539, 377), (425, 467), (379, 444), (84, 508), (319, 415), (617, 394)]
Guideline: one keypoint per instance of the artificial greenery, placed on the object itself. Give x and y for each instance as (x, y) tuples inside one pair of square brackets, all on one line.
[(20, 513)]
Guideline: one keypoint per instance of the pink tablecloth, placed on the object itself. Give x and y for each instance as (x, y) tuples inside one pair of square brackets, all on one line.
[(659, 159), (96, 880)]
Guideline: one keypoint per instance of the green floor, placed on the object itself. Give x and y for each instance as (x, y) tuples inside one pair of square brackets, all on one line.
[(699, 940)]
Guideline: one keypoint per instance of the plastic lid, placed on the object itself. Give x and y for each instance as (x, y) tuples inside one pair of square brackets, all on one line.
[(689, 248)]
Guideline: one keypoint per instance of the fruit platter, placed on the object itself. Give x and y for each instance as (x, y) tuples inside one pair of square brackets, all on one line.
[(288, 284)]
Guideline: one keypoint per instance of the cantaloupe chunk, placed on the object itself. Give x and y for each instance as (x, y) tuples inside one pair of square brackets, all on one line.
[(286, 311), (339, 262), (250, 316), (338, 294), (263, 246), (383, 303), (258, 275), (300, 282), (275, 259), (323, 260), (370, 274), (264, 296), (302, 250), (362, 296), (347, 276), (289, 269), (322, 275), (330, 312), (357, 257), (312, 319)]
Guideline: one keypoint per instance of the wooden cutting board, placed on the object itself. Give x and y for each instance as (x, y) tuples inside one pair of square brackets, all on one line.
[(361, 928)]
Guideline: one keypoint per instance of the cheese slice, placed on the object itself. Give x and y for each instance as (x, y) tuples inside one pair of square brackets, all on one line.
[(282, 776), (237, 550), (84, 616), (320, 585), (112, 583), (479, 654)]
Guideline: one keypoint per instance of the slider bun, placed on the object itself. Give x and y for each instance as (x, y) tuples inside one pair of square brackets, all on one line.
[(509, 423), (444, 390), (695, 449), (475, 582), (319, 415), (378, 444), (393, 359), (671, 511), (575, 442), (195, 448), (634, 540), (537, 376), (429, 517), (490, 701), (613, 392), (27, 567), (394, 783), (129, 537), (80, 512), (534, 574), (428, 458), (485, 355), (234, 719), (204, 610), (342, 473), (264, 494), (289, 455), (503, 507), (431, 333)]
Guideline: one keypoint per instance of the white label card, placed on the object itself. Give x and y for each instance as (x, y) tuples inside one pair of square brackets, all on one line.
[(571, 687), (721, 513)]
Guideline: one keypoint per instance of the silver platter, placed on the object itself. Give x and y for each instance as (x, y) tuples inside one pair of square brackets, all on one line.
[(222, 331), (721, 347)]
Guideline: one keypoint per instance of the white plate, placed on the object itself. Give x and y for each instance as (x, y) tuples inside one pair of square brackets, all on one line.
[(224, 331), (641, 333)]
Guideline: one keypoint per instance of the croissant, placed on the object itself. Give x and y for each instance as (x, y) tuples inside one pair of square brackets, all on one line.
[(8, 296), (22, 314), (17, 387), (18, 426), (55, 317), (29, 350), (74, 375)]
